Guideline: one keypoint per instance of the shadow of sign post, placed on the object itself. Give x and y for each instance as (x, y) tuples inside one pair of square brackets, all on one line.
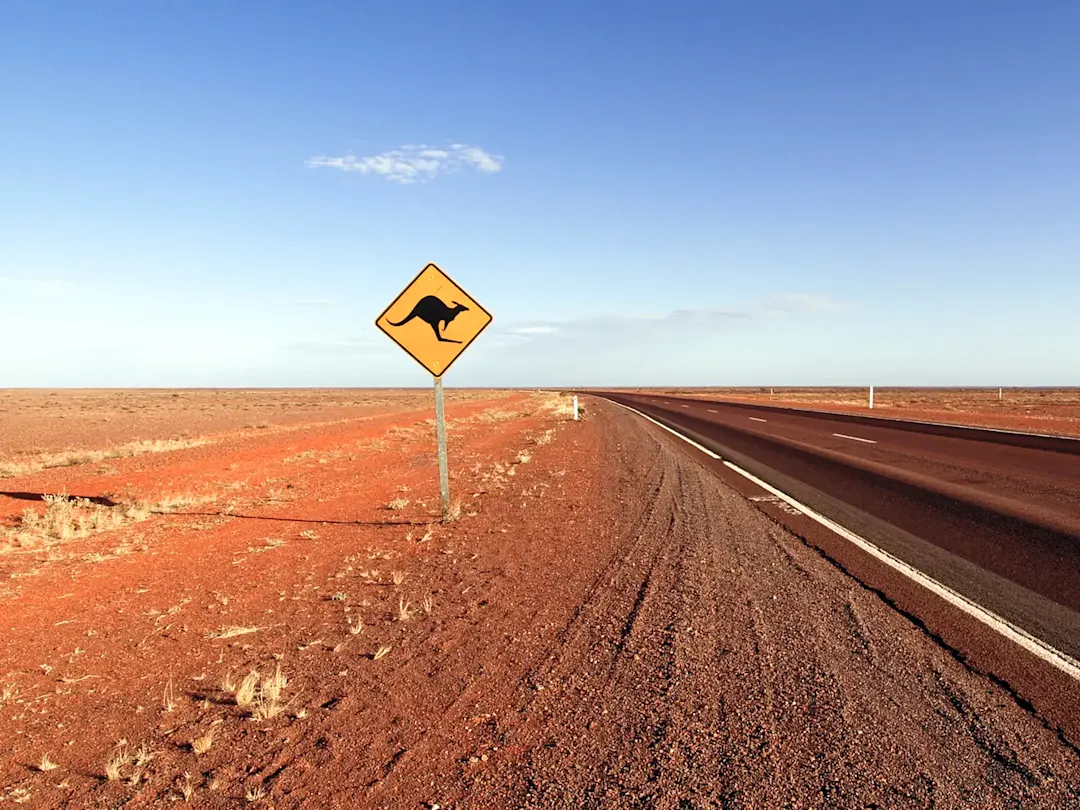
[(434, 320)]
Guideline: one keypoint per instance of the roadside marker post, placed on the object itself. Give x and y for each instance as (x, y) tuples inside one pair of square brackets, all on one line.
[(418, 320), (871, 397), (575, 408)]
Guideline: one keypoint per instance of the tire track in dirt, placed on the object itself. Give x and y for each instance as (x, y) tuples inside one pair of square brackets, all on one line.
[(728, 664)]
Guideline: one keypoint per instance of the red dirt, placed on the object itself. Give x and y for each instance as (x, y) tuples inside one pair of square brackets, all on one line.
[(609, 625)]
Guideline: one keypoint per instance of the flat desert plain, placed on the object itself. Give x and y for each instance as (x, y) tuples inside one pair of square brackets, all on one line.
[(234, 599), (1054, 411)]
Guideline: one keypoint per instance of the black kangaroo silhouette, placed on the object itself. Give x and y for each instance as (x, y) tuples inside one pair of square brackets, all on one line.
[(434, 312)]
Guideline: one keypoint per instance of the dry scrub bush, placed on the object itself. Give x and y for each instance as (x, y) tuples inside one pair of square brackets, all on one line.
[(69, 458), (66, 518)]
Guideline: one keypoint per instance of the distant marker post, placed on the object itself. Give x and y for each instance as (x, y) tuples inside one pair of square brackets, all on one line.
[(575, 408), (871, 397)]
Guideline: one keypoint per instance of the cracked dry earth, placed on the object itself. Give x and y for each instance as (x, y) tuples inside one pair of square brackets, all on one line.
[(613, 627)]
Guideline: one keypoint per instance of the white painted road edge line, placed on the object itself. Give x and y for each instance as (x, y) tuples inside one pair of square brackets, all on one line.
[(853, 438), (755, 419), (689, 441), (1040, 649)]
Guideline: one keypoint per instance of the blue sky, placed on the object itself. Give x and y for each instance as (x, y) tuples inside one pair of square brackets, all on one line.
[(695, 193)]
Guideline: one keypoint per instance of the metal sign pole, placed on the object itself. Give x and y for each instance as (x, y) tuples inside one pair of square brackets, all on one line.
[(440, 432)]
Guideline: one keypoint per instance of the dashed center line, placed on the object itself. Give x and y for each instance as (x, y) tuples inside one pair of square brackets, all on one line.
[(755, 419), (686, 406), (711, 410), (855, 438)]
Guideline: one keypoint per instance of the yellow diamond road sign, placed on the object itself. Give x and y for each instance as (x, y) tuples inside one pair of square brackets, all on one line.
[(434, 320)]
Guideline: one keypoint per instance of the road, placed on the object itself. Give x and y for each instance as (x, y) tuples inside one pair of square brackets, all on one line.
[(720, 660), (990, 515)]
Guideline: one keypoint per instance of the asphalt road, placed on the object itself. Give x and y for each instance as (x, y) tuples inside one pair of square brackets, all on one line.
[(992, 515)]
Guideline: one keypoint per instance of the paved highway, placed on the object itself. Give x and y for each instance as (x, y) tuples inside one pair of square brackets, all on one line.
[(992, 515)]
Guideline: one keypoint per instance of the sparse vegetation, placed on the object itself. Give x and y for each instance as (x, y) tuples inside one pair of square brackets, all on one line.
[(404, 610), (397, 504), (255, 794), (115, 765), (66, 518), (47, 764), (398, 577), (143, 755), (187, 787), (69, 458), (201, 744), (245, 693), (382, 652), (355, 629), (231, 632), (168, 700)]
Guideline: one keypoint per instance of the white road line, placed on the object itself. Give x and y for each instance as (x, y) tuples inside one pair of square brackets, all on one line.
[(686, 406), (755, 419), (711, 410), (1040, 649), (854, 438), (689, 441)]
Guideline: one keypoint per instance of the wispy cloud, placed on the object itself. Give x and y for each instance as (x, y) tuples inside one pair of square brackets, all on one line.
[(679, 324), (35, 285), (414, 163)]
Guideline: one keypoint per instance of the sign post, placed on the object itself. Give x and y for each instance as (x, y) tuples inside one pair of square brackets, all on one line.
[(434, 321), (440, 435)]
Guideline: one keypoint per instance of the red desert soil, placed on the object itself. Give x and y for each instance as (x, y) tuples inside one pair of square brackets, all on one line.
[(1035, 410), (605, 625)]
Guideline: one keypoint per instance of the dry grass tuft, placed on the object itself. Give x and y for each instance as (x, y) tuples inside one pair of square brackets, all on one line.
[(428, 604), (545, 438), (398, 577), (255, 794), (143, 755), (168, 699), (200, 745), (524, 458), (47, 764), (404, 610), (187, 787), (115, 766), (245, 693), (382, 652), (231, 632), (454, 512), (307, 534), (355, 629), (397, 503)]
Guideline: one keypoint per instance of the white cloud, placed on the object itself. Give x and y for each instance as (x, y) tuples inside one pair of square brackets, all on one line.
[(414, 163)]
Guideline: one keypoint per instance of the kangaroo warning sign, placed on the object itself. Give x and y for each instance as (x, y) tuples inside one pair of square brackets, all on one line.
[(434, 320)]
